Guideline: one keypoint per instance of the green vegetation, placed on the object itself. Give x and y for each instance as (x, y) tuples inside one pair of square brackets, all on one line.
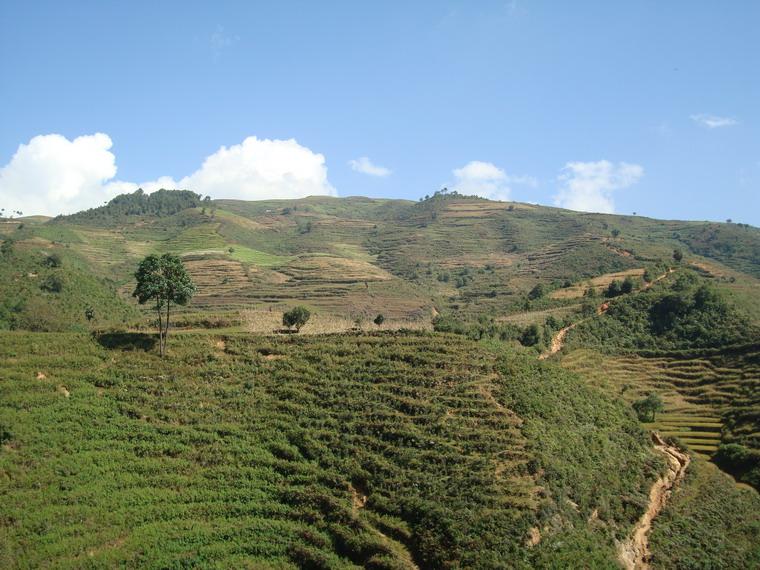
[(743, 462), (685, 314), (40, 295), (594, 462), (296, 317), (708, 523), (162, 281), (248, 255), (160, 203), (337, 451), (382, 450), (646, 408)]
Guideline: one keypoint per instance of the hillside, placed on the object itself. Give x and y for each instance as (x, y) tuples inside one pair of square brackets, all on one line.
[(355, 257), (486, 422), (322, 451)]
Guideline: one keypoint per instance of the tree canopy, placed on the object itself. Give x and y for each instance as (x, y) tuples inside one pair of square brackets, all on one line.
[(163, 280), (296, 317)]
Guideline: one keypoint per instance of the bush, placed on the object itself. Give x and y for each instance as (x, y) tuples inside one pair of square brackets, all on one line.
[(740, 461), (614, 289), (7, 246), (688, 314), (296, 318), (379, 320), (52, 284), (53, 260), (531, 335), (537, 292)]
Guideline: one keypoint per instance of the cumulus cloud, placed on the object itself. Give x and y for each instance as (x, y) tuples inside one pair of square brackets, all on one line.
[(487, 180), (364, 165), (588, 186), (713, 122), (52, 175)]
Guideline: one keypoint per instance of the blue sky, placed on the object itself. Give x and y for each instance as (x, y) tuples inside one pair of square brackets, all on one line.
[(649, 107)]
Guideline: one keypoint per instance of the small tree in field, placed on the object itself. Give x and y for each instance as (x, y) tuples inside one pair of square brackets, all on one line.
[(537, 292), (89, 314), (648, 407), (379, 319), (163, 281), (296, 317), (677, 255)]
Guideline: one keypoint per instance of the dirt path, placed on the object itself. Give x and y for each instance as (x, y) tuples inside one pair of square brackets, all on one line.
[(558, 340), (660, 278), (634, 552)]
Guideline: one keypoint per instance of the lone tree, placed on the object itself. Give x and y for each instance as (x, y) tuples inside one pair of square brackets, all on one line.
[(296, 317), (648, 407), (677, 255), (614, 289), (163, 281), (537, 292), (379, 319)]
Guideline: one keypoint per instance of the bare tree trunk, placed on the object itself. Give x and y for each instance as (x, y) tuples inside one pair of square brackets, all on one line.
[(160, 330), (166, 333)]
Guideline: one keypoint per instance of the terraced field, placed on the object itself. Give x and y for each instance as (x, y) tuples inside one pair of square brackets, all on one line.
[(710, 396), (598, 284), (383, 451), (466, 256)]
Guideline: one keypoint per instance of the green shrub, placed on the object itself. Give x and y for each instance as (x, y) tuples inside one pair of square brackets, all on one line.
[(296, 318), (52, 284), (537, 292)]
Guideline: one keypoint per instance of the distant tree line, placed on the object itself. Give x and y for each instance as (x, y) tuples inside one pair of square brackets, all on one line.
[(160, 204)]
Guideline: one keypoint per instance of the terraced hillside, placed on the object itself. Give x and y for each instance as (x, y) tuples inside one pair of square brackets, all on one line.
[(711, 396), (355, 257), (384, 451)]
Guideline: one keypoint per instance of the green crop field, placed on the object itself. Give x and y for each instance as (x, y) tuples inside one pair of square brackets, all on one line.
[(338, 450)]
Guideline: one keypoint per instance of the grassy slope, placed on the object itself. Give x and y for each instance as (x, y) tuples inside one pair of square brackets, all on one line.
[(238, 451), (708, 523), (27, 303)]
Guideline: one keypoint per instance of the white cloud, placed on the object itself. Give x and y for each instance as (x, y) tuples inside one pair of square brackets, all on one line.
[(713, 122), (259, 169), (364, 165), (52, 175), (588, 186), (487, 180)]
